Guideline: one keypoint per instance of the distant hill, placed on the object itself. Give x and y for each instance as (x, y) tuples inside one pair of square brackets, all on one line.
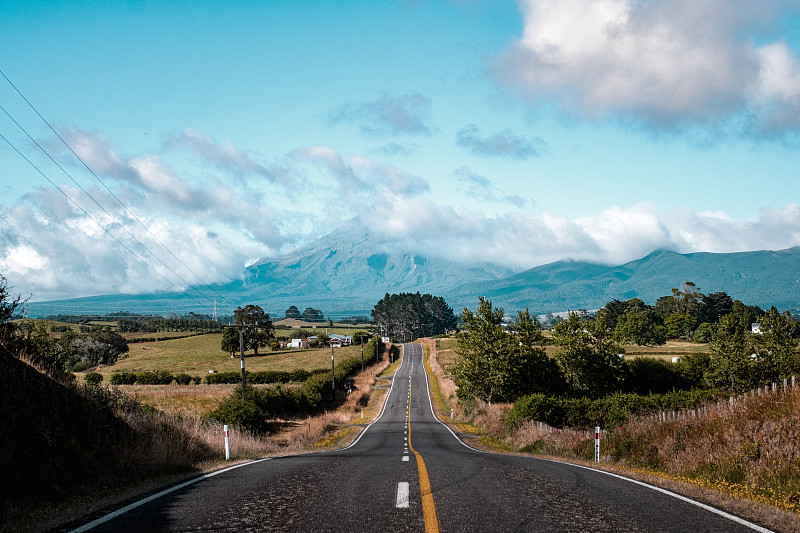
[(762, 278), (346, 273)]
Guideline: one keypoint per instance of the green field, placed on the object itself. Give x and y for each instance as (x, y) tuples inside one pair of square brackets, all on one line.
[(197, 355)]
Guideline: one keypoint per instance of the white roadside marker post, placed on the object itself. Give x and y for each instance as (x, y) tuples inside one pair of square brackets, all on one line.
[(597, 444), (227, 444)]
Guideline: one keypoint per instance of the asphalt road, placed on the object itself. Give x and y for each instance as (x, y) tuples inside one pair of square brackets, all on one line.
[(408, 472)]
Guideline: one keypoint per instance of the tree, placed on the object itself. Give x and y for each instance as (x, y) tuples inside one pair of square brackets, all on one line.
[(714, 306), (500, 365), (614, 309), (101, 347), (39, 348), (588, 355), (409, 316), (731, 364), (230, 341), (258, 330), (292, 312), (641, 326), (322, 340), (679, 325), (774, 347), (361, 337), (312, 315), (703, 333), (8, 307), (687, 298)]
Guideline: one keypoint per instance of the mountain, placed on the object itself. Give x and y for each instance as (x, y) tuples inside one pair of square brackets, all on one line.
[(347, 272), (763, 278), (343, 274)]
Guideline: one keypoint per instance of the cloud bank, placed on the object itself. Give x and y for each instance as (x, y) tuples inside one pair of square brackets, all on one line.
[(667, 65), (50, 249)]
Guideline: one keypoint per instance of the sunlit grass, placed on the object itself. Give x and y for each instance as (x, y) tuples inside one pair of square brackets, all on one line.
[(200, 354)]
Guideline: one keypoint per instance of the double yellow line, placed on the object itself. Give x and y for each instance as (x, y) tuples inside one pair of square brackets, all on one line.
[(428, 505)]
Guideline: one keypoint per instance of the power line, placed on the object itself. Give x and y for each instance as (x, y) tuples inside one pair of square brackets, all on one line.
[(206, 284), (184, 291), (98, 203)]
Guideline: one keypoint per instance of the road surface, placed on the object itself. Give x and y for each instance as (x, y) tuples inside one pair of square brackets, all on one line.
[(408, 472)]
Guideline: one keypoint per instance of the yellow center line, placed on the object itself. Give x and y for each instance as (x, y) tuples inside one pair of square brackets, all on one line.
[(428, 505)]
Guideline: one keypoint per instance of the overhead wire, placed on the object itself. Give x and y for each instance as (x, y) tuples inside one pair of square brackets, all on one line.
[(112, 217), (45, 176), (133, 215)]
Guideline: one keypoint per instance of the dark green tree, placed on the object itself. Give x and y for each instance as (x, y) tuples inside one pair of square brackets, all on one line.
[(499, 365), (588, 355), (731, 365), (408, 316), (641, 326), (258, 330), (230, 341), (8, 308), (312, 315), (292, 312), (714, 306), (774, 348), (680, 325)]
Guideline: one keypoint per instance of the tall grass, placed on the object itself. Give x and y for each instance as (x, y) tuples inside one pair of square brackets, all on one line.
[(742, 455)]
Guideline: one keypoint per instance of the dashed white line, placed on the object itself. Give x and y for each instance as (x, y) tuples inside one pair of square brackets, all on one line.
[(405, 458), (402, 495)]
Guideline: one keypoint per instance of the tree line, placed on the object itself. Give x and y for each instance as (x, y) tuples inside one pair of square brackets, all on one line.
[(407, 316), (503, 362), (309, 315), (60, 357)]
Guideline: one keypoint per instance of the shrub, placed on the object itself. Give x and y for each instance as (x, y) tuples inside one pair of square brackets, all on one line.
[(653, 376), (80, 366), (93, 379), (605, 412), (245, 416), (184, 379), (154, 378), (123, 378)]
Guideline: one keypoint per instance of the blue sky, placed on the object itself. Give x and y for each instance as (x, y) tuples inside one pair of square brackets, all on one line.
[(518, 133)]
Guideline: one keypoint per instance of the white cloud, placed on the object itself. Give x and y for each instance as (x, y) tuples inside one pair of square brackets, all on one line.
[(501, 144), (668, 65), (476, 186), (53, 250), (614, 236), (408, 113)]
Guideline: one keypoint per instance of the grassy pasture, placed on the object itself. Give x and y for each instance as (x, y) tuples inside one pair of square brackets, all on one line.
[(197, 355)]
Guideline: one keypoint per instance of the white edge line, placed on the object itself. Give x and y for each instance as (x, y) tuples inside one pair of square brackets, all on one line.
[(114, 514), (391, 388), (110, 516), (709, 508)]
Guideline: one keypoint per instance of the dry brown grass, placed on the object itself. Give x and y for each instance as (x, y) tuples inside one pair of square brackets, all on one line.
[(745, 459), (445, 386)]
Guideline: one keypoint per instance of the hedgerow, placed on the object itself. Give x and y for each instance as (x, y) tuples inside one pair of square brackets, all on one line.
[(152, 378), (605, 412), (316, 394)]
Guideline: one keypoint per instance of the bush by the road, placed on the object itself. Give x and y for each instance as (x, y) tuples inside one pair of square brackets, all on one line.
[(604, 412), (312, 397)]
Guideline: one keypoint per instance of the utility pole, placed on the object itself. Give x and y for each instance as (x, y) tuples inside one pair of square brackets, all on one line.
[(333, 374), (362, 353), (241, 351)]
